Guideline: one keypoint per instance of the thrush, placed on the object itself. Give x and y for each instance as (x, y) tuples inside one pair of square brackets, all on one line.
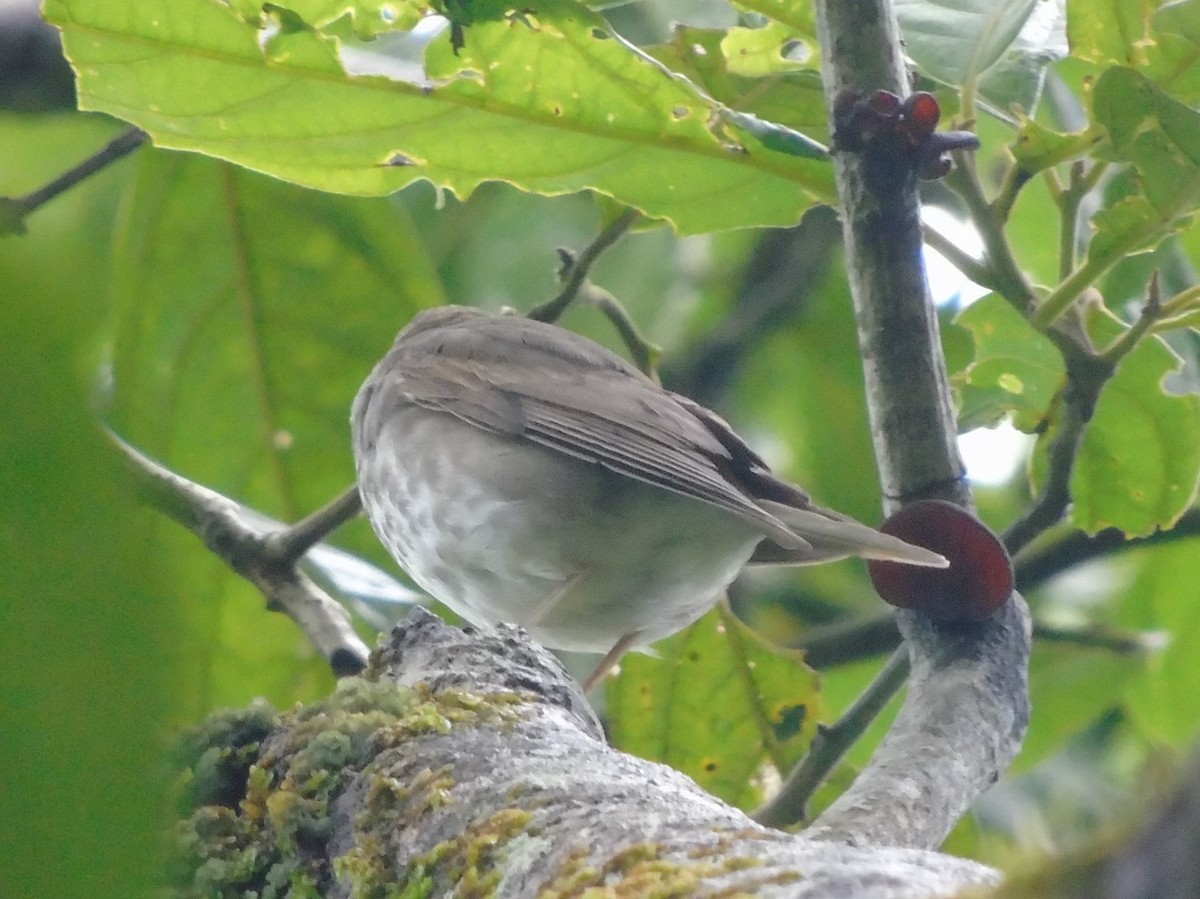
[(521, 473)]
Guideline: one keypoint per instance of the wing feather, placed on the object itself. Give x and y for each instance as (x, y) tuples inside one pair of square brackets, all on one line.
[(639, 431)]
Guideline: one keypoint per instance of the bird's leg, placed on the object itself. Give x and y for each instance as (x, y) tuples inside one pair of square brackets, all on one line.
[(548, 604), (609, 661)]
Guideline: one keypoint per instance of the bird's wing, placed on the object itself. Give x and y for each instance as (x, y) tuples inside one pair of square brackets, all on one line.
[(606, 414)]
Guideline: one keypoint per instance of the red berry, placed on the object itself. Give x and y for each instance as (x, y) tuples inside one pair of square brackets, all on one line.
[(978, 581), (921, 110), (885, 103)]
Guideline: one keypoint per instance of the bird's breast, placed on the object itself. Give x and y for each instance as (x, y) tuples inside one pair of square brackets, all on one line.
[(500, 529)]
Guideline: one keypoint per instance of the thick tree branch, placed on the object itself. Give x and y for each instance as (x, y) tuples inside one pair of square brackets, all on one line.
[(967, 705), (256, 554), (470, 764)]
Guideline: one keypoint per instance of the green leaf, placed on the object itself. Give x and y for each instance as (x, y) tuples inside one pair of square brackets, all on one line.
[(1017, 78), (1156, 133), (792, 98), (1016, 369), (1162, 43), (717, 703), (545, 97), (1173, 59), (1162, 697), (755, 52), (1139, 463), (1037, 147), (89, 638), (247, 313), (1004, 46), (1069, 686), (797, 15), (1159, 136), (1108, 31)]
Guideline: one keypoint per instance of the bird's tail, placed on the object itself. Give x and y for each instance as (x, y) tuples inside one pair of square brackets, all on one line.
[(835, 536)]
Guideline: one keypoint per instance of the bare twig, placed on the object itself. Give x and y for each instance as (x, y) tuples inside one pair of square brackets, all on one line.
[(286, 547), (866, 638), (575, 269), (16, 209), (977, 271), (225, 529), (645, 353), (1039, 563), (831, 743), (1007, 279)]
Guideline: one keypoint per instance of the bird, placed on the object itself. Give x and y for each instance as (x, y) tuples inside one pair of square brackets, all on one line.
[(521, 473)]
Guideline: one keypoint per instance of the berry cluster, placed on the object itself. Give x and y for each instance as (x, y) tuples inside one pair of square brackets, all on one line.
[(881, 121)]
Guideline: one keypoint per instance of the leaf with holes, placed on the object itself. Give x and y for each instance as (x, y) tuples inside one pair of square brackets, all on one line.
[(718, 704), (1016, 369), (1161, 138), (542, 95)]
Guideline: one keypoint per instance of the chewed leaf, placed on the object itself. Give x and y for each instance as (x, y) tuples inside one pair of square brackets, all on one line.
[(541, 95), (1016, 369), (718, 704)]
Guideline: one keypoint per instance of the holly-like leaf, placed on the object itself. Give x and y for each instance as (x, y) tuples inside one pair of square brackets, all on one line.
[(718, 704), (1037, 147), (1161, 138), (541, 95), (1016, 369)]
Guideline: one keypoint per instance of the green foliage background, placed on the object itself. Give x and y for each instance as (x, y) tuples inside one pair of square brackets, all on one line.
[(218, 310)]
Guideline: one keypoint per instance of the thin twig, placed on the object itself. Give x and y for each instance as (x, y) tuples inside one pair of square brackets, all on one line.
[(862, 639), (1087, 374), (1015, 177), (1055, 496), (1151, 312), (19, 208), (1039, 563), (645, 353), (1068, 212), (788, 806), (1082, 182), (1007, 278), (575, 273), (975, 270), (226, 530), (286, 547)]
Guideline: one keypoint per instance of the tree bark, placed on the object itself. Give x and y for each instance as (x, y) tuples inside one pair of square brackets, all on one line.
[(469, 764)]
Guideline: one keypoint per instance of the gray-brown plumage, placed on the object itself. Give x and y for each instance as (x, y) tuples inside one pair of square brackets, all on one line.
[(522, 473)]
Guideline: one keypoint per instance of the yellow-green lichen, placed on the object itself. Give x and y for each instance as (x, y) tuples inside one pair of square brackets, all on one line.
[(636, 872), (257, 788), (471, 863)]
